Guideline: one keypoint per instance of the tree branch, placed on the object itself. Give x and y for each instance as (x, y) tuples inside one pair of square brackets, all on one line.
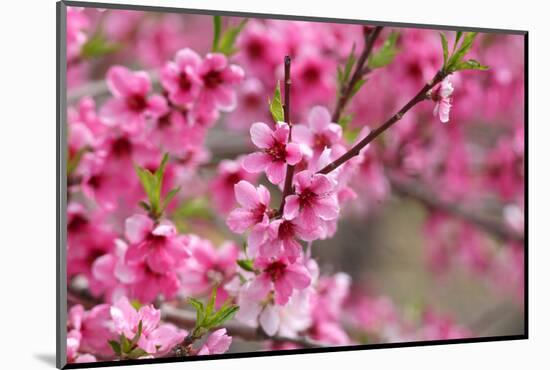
[(360, 71), (356, 149), (287, 189), (419, 192)]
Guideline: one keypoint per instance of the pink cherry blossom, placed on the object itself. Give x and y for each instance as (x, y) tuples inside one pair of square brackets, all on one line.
[(219, 79), (320, 132), (208, 267), (180, 78), (131, 104), (276, 151), (155, 338), (442, 98), (217, 343), (279, 276), (156, 244), (314, 199), (254, 207)]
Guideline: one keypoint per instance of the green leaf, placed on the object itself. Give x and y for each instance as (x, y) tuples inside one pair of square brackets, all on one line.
[(211, 302), (115, 346), (73, 162), (247, 265), (217, 32), (199, 308), (458, 36), (136, 304), (345, 120), (136, 337), (470, 64), (171, 194), (98, 46), (147, 181), (224, 314), (357, 87), (465, 46), (445, 47), (144, 205), (276, 106), (343, 74), (227, 41), (386, 53), (125, 344), (137, 353)]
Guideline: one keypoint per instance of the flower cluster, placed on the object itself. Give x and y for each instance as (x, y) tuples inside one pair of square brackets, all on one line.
[(176, 226)]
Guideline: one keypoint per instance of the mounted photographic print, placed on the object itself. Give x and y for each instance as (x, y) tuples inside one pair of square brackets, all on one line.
[(236, 185)]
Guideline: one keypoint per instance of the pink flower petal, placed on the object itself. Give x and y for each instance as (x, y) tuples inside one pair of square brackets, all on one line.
[(137, 228), (261, 135), (276, 172), (256, 162), (246, 195), (319, 119), (293, 153), (270, 320), (292, 207)]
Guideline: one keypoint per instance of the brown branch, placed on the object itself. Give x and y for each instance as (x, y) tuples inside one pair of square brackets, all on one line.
[(287, 189), (186, 319), (356, 149), (360, 70), (419, 192)]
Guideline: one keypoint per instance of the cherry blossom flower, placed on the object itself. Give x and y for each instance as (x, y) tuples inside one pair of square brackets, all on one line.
[(217, 343), (276, 152), (208, 267), (157, 244), (180, 78), (131, 104), (320, 132), (314, 199), (442, 97), (155, 338), (279, 276), (254, 210), (218, 80)]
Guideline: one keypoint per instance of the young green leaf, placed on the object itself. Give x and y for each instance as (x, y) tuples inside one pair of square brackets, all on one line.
[(115, 346), (224, 314), (458, 36), (247, 265), (445, 47), (125, 344), (276, 106), (74, 160), (98, 46), (217, 32), (386, 53), (227, 41), (211, 302), (345, 120), (171, 194), (144, 205), (471, 64), (458, 55), (136, 337), (137, 353), (357, 86), (199, 308)]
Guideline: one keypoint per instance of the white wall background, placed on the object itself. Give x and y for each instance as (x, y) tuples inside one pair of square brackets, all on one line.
[(27, 181)]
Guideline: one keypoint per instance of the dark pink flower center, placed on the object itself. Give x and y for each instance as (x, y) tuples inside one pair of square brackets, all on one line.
[(320, 141), (121, 147), (286, 230), (277, 151), (275, 270), (259, 212), (414, 70), (212, 79), (136, 103), (311, 74), (255, 49), (251, 101), (184, 82), (306, 197), (77, 223), (164, 122), (156, 241), (95, 181), (233, 178)]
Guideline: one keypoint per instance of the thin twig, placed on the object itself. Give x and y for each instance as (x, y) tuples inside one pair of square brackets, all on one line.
[(287, 189), (419, 192), (360, 70), (356, 149)]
